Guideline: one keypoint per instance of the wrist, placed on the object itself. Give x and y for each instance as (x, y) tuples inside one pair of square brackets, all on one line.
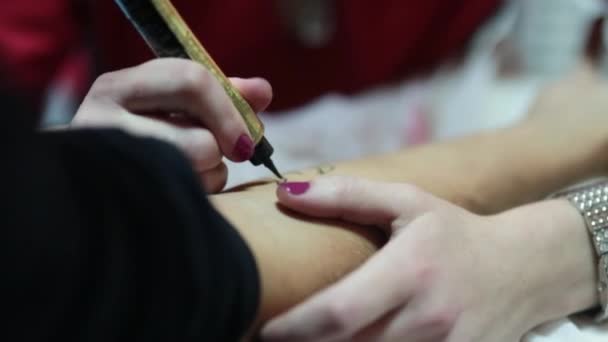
[(562, 271), (577, 290)]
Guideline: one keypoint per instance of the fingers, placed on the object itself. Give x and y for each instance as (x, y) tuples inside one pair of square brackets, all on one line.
[(256, 91), (418, 321), (215, 179), (198, 144), (356, 200), (180, 86), (344, 310)]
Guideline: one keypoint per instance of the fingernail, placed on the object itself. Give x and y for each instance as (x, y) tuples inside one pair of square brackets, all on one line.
[(295, 188), (244, 148)]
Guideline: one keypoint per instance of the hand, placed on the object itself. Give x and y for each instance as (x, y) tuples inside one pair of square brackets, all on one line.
[(179, 102), (287, 247), (446, 274)]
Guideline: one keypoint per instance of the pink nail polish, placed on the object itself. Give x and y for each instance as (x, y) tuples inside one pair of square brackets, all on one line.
[(244, 148), (295, 188)]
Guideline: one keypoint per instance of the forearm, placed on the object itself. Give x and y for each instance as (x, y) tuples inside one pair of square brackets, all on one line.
[(484, 173), (295, 256), (491, 172)]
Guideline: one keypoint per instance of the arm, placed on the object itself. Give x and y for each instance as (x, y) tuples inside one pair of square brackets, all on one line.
[(564, 140), (493, 171), (487, 173), (446, 274), (484, 173)]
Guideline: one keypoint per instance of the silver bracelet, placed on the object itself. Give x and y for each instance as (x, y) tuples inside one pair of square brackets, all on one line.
[(592, 202)]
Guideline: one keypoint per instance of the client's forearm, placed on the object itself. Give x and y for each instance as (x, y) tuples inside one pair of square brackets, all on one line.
[(489, 172), (494, 171), (295, 256), (484, 173)]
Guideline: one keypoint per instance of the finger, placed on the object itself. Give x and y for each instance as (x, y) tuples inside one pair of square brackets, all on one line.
[(181, 86), (215, 179), (198, 144), (356, 200), (257, 92), (414, 322), (347, 308), (201, 147), (378, 333)]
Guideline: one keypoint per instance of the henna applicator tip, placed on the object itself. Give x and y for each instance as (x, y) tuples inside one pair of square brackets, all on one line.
[(262, 154)]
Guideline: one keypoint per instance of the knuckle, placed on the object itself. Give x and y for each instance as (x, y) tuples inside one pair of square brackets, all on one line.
[(215, 180), (439, 321), (201, 147), (345, 196), (92, 118), (105, 84), (344, 186), (194, 80), (425, 274), (337, 318), (222, 177), (222, 171), (343, 189), (96, 112), (414, 194)]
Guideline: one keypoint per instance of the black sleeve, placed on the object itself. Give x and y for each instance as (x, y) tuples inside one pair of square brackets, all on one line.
[(106, 237)]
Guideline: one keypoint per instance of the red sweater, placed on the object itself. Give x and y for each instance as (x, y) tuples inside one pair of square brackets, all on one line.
[(376, 42)]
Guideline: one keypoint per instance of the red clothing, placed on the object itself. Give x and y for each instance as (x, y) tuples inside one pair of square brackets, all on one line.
[(376, 41)]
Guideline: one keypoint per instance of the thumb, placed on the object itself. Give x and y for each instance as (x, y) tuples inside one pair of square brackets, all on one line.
[(356, 200), (256, 91)]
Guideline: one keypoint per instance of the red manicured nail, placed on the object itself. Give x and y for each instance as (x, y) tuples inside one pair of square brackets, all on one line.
[(244, 148), (296, 188)]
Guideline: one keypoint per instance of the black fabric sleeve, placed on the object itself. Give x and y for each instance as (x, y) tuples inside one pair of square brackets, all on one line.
[(106, 237)]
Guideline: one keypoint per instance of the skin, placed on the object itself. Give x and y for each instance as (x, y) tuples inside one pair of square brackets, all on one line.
[(446, 274), (300, 253), (179, 102)]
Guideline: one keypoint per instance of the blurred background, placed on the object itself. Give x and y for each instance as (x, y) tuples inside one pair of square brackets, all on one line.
[(351, 77)]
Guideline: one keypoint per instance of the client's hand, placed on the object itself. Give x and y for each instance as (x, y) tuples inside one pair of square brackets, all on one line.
[(446, 274), (177, 101)]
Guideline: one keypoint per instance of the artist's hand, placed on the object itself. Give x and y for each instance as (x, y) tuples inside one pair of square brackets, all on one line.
[(446, 274), (177, 101)]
